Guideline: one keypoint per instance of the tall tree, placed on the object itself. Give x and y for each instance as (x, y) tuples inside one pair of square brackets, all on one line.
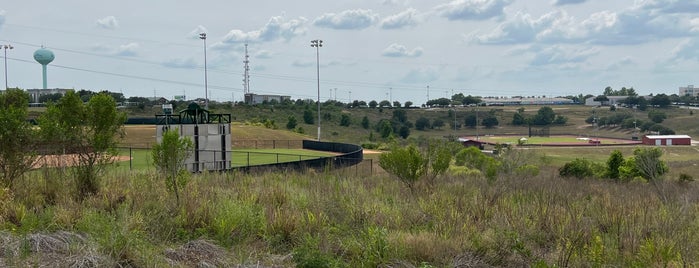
[(616, 159), (400, 115), (17, 139), (308, 117), (544, 116), (345, 120), (89, 130), (365, 122)]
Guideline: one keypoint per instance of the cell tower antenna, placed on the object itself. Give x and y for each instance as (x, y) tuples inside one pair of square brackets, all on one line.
[(246, 74)]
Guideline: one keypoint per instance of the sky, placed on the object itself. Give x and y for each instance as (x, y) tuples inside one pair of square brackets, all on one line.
[(396, 50)]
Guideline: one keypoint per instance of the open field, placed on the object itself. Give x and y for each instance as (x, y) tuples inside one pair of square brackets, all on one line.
[(340, 219), (553, 140), (140, 159)]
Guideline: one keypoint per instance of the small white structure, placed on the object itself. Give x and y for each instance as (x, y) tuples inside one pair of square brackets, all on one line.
[(613, 100), (210, 134)]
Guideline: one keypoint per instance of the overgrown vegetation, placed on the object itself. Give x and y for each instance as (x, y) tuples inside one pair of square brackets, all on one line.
[(89, 130), (17, 139), (169, 156), (338, 219)]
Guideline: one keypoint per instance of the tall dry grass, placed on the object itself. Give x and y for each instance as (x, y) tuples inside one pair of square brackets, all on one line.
[(343, 219)]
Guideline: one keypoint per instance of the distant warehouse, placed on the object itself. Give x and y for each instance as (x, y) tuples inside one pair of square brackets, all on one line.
[(659, 140), (501, 101)]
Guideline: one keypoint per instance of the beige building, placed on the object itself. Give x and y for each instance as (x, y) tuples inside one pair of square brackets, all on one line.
[(35, 94), (689, 90)]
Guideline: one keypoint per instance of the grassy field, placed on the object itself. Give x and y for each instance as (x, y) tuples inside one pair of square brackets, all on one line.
[(344, 218), (549, 140), (141, 158)]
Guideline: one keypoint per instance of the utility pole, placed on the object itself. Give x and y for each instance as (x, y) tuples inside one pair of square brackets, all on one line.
[(428, 95), (246, 74)]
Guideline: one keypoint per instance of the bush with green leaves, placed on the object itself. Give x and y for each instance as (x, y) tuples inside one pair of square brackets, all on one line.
[(169, 156), (579, 168), (657, 116), (615, 160), (365, 122), (291, 123), (345, 120), (308, 117), (90, 130), (17, 139), (422, 123), (406, 163)]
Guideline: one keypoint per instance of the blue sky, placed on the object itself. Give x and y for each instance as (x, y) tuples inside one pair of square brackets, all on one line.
[(372, 49)]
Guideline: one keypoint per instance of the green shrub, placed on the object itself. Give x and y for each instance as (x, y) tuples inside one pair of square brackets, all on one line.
[(578, 168), (406, 163)]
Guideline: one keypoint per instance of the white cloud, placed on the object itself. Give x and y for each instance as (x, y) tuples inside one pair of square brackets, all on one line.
[(347, 20), (301, 63), (188, 63), (472, 9), (108, 22), (621, 64), (421, 75), (194, 34), (520, 29), (567, 2), (128, 50), (669, 6), (401, 20), (559, 55), (2, 18), (630, 26), (686, 50), (263, 54), (396, 50), (276, 28)]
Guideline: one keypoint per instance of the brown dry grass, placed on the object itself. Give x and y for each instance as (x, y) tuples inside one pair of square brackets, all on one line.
[(67, 160)]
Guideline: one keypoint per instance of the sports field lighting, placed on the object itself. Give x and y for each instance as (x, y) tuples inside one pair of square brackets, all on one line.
[(318, 44), (6, 47), (202, 36)]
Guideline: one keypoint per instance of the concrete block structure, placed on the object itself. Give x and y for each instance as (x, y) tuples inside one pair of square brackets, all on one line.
[(210, 134)]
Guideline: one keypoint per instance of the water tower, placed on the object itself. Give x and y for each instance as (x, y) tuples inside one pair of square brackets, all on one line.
[(44, 57)]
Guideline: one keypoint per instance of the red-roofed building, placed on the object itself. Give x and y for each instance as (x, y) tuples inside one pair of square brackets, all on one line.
[(660, 140)]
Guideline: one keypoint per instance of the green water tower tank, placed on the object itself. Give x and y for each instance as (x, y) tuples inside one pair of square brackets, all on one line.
[(43, 56)]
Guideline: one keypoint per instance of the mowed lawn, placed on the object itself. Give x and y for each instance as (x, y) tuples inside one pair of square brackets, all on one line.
[(141, 158), (550, 140)]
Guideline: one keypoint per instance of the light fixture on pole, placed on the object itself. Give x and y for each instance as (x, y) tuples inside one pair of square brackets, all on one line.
[(202, 36), (318, 44), (6, 47)]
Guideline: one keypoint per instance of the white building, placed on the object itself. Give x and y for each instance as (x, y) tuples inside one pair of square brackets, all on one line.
[(35, 94), (613, 100), (251, 98), (689, 90)]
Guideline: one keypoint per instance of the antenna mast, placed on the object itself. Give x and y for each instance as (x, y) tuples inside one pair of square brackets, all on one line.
[(246, 75)]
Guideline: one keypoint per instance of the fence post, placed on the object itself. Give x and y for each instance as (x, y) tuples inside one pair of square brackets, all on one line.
[(130, 158), (277, 158), (249, 157)]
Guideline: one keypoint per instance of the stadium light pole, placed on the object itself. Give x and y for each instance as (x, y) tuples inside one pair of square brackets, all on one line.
[(318, 44), (6, 47), (202, 36)]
